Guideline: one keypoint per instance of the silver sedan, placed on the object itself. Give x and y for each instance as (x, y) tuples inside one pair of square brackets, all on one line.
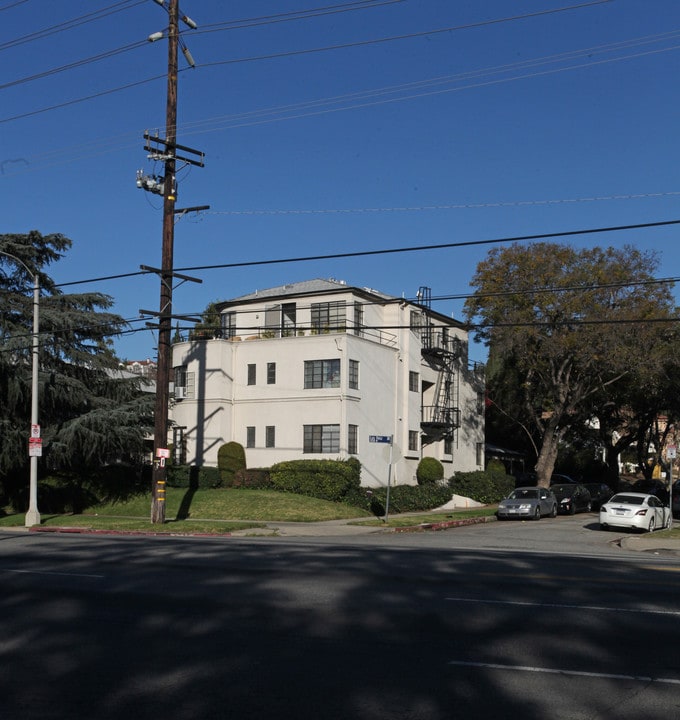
[(528, 502), (636, 511)]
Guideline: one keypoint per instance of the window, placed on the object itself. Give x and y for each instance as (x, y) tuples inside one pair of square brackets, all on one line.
[(184, 382), (251, 374), (413, 381), (481, 403), (448, 446), (250, 437), (270, 436), (322, 373), (228, 322), (417, 322), (479, 447), (413, 440), (271, 373), (327, 317), (180, 376), (354, 374), (358, 319), (280, 320), (352, 439), (321, 439), (288, 319)]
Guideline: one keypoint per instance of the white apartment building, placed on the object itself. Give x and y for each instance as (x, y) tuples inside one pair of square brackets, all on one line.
[(320, 369)]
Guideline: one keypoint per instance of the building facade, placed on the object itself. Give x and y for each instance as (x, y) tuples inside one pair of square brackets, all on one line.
[(319, 369)]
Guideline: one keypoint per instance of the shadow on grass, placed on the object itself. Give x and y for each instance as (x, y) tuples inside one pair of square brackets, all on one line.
[(183, 511)]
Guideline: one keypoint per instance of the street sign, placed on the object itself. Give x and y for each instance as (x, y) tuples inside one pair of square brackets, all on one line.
[(671, 452), (34, 447), (380, 439)]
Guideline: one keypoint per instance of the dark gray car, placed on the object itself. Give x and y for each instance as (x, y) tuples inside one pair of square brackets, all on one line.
[(529, 503)]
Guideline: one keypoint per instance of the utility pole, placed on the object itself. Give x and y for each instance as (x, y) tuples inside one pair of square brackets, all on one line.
[(168, 189)]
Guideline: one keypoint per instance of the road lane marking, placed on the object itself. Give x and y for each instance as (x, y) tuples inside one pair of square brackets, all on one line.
[(599, 608), (558, 671), (45, 572)]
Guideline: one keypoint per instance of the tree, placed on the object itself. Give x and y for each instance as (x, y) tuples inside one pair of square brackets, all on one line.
[(89, 414), (569, 326), (210, 326)]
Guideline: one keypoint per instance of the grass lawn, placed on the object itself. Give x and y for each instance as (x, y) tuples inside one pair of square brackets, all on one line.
[(211, 511)]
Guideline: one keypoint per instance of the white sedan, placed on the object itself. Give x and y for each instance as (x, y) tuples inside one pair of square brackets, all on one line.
[(636, 511)]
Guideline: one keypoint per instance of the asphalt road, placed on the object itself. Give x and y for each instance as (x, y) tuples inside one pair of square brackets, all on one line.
[(472, 622)]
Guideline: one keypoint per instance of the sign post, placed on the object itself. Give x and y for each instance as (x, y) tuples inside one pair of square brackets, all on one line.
[(388, 440), (671, 452)]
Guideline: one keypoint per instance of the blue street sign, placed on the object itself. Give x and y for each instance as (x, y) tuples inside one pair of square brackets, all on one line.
[(380, 439)]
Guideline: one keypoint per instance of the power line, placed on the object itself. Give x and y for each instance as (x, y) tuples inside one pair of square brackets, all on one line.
[(416, 248), (132, 46), (75, 64), (11, 5), (310, 51), (461, 206), (69, 24), (302, 14), (440, 246), (294, 15)]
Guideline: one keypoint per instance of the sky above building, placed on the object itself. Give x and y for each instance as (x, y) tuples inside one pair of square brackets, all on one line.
[(333, 129)]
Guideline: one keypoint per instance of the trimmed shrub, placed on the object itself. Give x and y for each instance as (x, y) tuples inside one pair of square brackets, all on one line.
[(194, 477), (231, 457), (482, 486), (429, 471), (406, 498), (253, 478), (324, 479)]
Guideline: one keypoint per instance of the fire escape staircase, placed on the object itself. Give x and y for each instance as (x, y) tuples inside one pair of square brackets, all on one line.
[(439, 420)]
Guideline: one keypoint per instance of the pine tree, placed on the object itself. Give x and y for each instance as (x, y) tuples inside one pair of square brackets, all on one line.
[(90, 415)]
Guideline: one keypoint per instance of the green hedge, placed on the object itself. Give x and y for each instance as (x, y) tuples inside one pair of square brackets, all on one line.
[(406, 498), (482, 486), (333, 480), (193, 476), (253, 478)]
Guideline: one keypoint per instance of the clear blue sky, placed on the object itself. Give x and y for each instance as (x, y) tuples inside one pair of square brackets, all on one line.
[(473, 120)]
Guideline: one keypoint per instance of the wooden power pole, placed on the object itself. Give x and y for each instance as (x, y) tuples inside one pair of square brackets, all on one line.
[(166, 150)]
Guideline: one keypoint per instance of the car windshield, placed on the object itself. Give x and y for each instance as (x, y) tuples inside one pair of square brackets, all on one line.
[(523, 494), (627, 500), (563, 490)]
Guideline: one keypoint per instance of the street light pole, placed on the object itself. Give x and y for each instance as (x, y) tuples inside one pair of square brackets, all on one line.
[(33, 515)]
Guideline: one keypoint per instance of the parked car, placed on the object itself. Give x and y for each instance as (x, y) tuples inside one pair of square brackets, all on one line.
[(571, 498), (559, 479), (636, 511), (528, 479), (675, 501), (652, 487), (599, 494), (528, 502)]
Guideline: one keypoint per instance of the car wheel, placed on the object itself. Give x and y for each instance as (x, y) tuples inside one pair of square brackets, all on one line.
[(589, 507), (572, 509), (604, 526), (669, 522), (553, 512), (537, 514), (652, 525)]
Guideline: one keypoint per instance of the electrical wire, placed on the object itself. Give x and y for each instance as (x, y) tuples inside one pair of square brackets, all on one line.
[(292, 15), (125, 48), (69, 24), (11, 5), (461, 206), (299, 52), (75, 64), (386, 251)]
